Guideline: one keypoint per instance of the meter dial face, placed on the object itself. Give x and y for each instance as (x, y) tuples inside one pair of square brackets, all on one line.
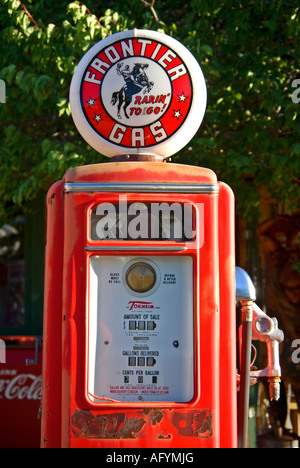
[(141, 277)]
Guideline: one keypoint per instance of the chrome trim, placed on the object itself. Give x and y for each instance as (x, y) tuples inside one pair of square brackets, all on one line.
[(245, 290), (106, 248), (120, 187)]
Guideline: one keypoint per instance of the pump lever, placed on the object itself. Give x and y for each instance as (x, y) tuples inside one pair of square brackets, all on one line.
[(35, 361)]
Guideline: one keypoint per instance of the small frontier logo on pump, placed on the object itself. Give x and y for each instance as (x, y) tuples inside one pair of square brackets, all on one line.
[(136, 92), (140, 305)]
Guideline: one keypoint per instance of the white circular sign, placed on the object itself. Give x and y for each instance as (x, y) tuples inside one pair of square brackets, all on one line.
[(138, 92)]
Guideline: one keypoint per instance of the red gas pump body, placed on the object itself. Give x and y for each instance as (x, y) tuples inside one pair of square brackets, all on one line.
[(139, 414)]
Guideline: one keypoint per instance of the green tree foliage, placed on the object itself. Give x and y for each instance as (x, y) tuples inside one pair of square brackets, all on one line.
[(249, 55)]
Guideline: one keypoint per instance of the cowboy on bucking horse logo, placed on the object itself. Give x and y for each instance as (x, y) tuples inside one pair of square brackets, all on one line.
[(135, 81)]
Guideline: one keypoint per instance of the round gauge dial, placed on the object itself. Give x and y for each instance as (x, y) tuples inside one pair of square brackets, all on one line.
[(141, 277)]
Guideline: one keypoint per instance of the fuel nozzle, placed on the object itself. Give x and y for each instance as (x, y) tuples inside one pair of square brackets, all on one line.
[(265, 328), (274, 388)]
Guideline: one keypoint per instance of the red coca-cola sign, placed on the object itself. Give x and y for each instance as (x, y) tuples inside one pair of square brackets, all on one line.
[(20, 398), (15, 386)]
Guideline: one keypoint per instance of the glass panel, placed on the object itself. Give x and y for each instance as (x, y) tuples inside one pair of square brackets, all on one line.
[(143, 221), (140, 344)]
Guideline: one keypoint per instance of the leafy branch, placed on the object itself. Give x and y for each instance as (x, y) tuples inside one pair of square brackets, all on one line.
[(28, 14), (151, 6), (249, 55)]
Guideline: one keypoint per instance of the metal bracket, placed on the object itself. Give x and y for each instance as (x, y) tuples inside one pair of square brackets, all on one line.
[(35, 361), (265, 329)]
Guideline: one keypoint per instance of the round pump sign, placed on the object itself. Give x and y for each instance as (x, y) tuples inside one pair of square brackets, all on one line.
[(138, 92)]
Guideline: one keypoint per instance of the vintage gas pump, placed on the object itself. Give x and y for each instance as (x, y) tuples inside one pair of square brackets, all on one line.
[(140, 296)]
